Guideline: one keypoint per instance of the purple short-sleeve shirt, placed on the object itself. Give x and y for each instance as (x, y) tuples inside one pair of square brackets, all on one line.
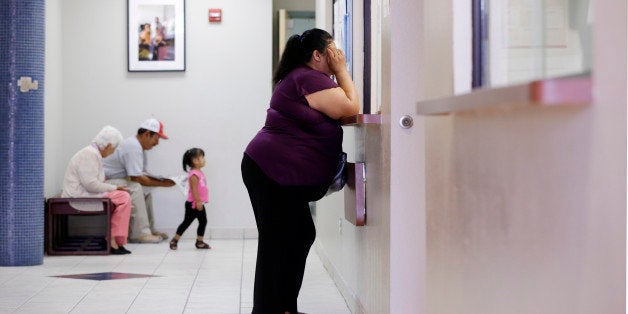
[(298, 145)]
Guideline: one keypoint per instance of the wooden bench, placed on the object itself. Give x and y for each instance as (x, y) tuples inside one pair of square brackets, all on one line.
[(60, 239)]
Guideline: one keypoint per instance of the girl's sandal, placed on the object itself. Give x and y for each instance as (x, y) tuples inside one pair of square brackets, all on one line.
[(173, 244), (202, 245)]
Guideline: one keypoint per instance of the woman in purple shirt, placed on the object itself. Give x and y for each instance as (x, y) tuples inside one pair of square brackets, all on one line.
[(291, 161)]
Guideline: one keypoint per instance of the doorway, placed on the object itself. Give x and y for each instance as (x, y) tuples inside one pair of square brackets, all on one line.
[(292, 23)]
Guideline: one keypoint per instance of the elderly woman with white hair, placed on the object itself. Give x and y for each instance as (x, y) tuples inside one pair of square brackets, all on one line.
[(85, 177)]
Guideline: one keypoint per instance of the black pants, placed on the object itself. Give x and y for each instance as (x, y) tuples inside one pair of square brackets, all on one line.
[(190, 215), (286, 233)]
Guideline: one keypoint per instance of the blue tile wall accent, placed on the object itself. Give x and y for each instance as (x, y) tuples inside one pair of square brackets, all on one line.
[(22, 46)]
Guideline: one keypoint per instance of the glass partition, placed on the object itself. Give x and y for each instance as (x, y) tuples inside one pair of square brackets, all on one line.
[(517, 41)]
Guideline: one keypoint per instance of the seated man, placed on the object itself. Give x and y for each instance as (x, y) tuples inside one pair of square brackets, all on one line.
[(127, 166)]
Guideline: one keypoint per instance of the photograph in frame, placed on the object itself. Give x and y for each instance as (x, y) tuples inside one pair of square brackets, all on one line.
[(156, 35)]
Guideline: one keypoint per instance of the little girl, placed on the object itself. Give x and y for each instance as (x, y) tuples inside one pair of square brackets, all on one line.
[(194, 158)]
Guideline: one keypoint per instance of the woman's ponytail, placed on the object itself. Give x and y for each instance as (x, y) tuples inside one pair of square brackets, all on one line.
[(293, 56), (298, 51)]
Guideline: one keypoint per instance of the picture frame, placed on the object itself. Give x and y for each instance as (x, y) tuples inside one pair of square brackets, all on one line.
[(156, 35)]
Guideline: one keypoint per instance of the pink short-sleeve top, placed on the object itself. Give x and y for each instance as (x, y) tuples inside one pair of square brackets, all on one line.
[(203, 192)]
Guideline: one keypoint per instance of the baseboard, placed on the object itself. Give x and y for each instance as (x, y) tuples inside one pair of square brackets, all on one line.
[(354, 304)]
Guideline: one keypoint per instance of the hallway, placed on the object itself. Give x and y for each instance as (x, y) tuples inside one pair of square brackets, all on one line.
[(154, 279)]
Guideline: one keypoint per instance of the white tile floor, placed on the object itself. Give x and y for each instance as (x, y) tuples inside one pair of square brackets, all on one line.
[(188, 280)]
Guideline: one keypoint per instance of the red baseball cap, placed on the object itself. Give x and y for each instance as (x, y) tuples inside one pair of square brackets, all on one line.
[(155, 126)]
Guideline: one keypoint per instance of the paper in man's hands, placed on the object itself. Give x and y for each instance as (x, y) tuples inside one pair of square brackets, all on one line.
[(181, 182)]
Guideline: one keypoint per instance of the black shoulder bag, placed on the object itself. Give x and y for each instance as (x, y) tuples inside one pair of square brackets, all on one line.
[(340, 178)]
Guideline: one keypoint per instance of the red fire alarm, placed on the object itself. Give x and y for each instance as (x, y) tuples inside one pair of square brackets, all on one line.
[(215, 15)]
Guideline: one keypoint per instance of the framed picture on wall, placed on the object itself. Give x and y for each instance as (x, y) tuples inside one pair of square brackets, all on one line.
[(156, 35)]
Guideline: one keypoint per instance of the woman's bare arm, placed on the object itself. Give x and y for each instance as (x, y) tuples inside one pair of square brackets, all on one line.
[(341, 101)]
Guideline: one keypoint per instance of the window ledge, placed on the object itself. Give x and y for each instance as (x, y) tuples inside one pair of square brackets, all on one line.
[(361, 119), (564, 91)]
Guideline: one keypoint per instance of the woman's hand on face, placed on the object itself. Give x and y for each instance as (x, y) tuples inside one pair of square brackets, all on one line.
[(336, 59)]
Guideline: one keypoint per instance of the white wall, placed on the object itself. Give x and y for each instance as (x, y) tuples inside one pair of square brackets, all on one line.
[(217, 104), (508, 223), (53, 100), (323, 15), (526, 206)]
